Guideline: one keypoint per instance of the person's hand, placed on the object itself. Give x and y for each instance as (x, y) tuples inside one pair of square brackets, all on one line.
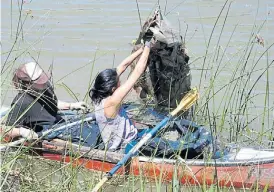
[(28, 133), (148, 36), (78, 106), (151, 36)]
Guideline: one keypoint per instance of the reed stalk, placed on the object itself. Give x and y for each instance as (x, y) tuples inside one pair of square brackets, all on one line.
[(229, 117)]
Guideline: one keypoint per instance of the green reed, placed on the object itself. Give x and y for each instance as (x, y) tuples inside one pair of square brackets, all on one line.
[(22, 170)]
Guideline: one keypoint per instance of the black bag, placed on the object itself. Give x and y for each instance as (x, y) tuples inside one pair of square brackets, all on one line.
[(169, 73), (167, 78)]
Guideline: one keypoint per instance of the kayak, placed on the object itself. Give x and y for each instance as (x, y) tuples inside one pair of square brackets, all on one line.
[(241, 168), (244, 168)]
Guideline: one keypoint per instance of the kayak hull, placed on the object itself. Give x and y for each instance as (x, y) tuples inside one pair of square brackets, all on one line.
[(244, 175), (246, 168)]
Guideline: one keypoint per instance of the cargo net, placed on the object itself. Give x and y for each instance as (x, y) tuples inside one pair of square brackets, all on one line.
[(167, 78)]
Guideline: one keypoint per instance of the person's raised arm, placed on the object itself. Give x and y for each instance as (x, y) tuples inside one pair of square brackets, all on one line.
[(128, 61), (124, 89)]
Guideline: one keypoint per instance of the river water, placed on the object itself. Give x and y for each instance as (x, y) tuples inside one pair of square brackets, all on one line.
[(81, 38)]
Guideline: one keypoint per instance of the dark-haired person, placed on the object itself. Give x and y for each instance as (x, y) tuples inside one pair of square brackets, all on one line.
[(108, 94), (35, 106), (117, 131)]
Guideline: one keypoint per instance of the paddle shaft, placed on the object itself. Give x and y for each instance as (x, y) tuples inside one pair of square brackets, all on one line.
[(41, 135), (131, 152), (66, 126), (138, 146)]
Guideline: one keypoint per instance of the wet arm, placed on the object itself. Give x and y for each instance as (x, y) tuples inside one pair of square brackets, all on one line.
[(128, 61)]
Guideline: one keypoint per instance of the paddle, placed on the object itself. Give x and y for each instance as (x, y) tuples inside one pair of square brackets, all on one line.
[(188, 100), (42, 134)]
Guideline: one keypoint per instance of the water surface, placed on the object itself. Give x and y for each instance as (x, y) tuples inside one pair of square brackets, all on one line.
[(74, 35)]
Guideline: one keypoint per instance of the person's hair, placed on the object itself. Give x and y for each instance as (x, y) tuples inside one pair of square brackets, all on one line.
[(103, 85)]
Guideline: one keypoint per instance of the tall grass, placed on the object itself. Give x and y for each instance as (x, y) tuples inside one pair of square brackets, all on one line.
[(234, 112), (230, 118)]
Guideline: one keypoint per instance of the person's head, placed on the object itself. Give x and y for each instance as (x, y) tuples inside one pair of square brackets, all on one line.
[(30, 76), (105, 84)]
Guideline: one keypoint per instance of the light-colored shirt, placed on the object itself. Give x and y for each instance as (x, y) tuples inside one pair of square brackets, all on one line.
[(117, 132)]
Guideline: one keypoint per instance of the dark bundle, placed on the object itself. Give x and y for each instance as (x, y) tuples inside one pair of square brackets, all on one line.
[(167, 78)]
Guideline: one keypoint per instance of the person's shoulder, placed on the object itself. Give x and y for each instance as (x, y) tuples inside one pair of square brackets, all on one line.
[(21, 99), (109, 102), (17, 98)]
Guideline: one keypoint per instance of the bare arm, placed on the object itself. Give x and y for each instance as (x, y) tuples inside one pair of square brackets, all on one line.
[(63, 105), (128, 61), (112, 104), (9, 131), (77, 105), (16, 132)]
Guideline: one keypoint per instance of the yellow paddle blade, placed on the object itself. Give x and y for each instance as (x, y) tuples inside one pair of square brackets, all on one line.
[(188, 100)]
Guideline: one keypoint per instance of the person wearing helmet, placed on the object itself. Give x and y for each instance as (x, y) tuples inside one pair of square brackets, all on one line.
[(36, 105)]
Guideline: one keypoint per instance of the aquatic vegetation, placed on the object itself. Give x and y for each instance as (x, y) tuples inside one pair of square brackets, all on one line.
[(228, 75)]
